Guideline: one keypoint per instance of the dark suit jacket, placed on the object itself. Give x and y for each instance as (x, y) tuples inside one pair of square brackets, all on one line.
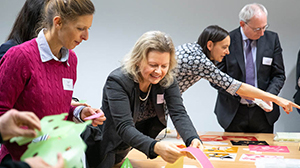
[(297, 94), (5, 46), (270, 78), (121, 105)]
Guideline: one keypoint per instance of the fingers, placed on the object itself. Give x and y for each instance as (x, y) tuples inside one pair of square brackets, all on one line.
[(28, 119), (60, 161), (168, 151), (88, 111), (25, 132), (295, 105), (178, 136)]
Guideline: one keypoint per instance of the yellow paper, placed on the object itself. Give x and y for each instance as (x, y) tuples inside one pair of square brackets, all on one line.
[(177, 164)]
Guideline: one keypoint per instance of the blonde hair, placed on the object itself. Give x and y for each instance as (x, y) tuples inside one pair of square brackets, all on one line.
[(67, 9), (150, 41)]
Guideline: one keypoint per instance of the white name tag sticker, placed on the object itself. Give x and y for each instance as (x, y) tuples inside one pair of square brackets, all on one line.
[(160, 98), (267, 61), (67, 84)]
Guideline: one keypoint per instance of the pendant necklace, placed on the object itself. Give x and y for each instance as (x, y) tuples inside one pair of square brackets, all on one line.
[(147, 94)]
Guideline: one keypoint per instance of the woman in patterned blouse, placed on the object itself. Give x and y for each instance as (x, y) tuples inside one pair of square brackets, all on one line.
[(196, 61)]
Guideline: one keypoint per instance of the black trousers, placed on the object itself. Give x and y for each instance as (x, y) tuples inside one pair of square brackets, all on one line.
[(250, 119)]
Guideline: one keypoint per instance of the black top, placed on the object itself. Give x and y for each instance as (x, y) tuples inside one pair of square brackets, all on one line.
[(12, 164)]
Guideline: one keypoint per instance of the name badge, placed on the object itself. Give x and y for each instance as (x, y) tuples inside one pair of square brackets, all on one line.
[(160, 98), (67, 84), (267, 61)]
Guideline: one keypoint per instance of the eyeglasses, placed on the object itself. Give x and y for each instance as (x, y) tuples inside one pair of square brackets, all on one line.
[(258, 29)]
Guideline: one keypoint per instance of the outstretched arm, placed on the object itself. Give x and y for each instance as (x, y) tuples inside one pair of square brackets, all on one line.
[(253, 92)]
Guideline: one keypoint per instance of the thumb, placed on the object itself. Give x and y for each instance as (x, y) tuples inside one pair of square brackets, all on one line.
[(60, 161)]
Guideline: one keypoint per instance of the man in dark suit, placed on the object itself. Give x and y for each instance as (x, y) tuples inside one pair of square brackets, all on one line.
[(297, 94), (255, 58)]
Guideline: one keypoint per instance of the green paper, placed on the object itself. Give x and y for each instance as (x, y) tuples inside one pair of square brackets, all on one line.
[(82, 101), (126, 164), (63, 137)]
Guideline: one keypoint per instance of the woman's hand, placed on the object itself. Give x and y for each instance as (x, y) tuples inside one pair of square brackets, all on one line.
[(12, 120), (168, 151), (88, 111), (38, 162), (286, 104), (196, 143)]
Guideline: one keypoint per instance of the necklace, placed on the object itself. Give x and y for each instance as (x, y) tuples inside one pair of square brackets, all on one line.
[(147, 94)]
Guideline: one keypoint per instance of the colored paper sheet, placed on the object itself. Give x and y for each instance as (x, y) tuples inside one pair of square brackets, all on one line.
[(224, 138), (82, 101), (177, 164), (221, 156), (96, 115), (199, 156), (253, 157), (219, 149), (126, 164), (265, 148), (61, 137)]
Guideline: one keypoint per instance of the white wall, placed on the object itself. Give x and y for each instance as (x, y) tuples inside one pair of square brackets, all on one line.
[(118, 24)]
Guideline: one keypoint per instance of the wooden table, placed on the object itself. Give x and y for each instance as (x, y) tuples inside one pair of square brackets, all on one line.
[(139, 160)]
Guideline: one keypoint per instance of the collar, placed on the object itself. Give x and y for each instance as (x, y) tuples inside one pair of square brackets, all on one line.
[(244, 37), (45, 51)]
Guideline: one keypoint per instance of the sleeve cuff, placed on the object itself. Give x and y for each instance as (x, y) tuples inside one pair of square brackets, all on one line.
[(77, 112), (152, 154), (189, 140)]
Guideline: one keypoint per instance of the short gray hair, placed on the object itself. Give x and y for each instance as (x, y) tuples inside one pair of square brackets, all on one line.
[(250, 10)]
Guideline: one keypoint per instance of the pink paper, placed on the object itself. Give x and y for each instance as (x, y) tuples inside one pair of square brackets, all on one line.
[(253, 157), (93, 116), (266, 148), (200, 156)]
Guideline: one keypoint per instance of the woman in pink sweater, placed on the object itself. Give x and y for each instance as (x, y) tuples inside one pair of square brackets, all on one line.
[(39, 75)]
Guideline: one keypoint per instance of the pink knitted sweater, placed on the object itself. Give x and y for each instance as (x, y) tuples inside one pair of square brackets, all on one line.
[(28, 84)]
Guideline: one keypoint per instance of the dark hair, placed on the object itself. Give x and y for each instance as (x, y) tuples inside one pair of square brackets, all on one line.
[(25, 25), (67, 9), (212, 33)]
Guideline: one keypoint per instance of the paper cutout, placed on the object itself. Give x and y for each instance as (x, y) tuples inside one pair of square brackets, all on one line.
[(245, 143), (224, 138), (126, 164), (221, 156), (82, 101), (199, 156), (262, 104), (63, 137), (252, 157), (96, 115), (219, 149), (287, 137), (181, 146), (264, 148), (177, 164)]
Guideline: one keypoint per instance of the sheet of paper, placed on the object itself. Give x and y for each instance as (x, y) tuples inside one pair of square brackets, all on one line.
[(264, 148), (177, 164), (219, 149), (199, 156), (221, 156), (253, 157)]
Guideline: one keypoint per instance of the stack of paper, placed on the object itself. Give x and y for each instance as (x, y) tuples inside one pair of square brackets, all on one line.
[(287, 136)]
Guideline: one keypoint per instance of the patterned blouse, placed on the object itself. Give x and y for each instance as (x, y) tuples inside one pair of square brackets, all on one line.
[(194, 65)]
